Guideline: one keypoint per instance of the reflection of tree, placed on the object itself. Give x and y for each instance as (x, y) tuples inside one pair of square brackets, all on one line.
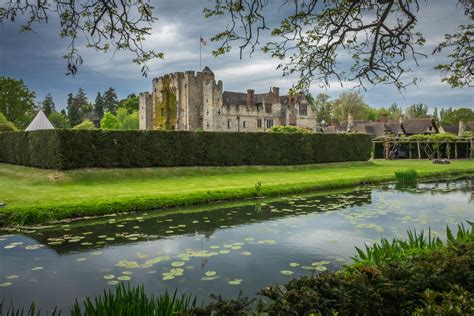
[(156, 227)]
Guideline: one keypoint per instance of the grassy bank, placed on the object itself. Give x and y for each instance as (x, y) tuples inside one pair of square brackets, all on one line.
[(37, 195)]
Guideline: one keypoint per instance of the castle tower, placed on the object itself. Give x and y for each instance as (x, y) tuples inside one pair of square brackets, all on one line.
[(208, 109)]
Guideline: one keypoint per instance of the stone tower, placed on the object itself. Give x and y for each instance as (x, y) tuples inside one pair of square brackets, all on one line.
[(181, 101)]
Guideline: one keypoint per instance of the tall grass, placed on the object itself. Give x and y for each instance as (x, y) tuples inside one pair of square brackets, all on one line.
[(409, 176), (396, 249), (124, 301)]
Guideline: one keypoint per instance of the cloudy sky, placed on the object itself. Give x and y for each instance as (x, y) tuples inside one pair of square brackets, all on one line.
[(36, 57)]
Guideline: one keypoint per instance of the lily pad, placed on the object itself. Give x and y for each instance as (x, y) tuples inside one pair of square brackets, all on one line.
[(177, 264), (235, 282), (124, 278), (210, 273), (294, 264), (37, 268), (113, 282), (246, 253), (286, 272), (5, 284), (109, 276)]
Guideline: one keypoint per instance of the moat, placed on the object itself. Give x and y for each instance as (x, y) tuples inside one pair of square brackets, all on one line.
[(223, 249)]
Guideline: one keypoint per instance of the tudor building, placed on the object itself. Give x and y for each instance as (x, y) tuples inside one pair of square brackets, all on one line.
[(189, 101)]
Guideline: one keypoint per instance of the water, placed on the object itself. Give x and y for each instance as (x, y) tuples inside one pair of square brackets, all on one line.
[(222, 249)]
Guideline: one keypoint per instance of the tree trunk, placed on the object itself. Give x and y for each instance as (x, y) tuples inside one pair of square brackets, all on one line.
[(418, 146)]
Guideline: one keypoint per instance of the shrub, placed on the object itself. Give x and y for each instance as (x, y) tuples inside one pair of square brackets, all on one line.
[(86, 124), (289, 129), (8, 127), (67, 149)]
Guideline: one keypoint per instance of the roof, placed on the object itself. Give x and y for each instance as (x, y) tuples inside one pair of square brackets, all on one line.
[(234, 98), (39, 122), (418, 126), (453, 129), (207, 70)]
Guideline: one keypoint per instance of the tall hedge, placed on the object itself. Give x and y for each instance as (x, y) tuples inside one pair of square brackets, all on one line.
[(68, 149)]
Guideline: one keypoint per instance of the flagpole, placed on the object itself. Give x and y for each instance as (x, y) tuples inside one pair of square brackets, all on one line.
[(200, 53)]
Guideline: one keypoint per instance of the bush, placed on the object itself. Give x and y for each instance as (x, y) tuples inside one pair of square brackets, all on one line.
[(86, 124), (67, 149), (409, 176), (289, 129), (8, 127)]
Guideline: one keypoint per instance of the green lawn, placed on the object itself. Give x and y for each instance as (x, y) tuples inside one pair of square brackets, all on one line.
[(37, 195)]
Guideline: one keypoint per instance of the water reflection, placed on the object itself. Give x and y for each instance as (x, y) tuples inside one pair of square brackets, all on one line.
[(221, 249)]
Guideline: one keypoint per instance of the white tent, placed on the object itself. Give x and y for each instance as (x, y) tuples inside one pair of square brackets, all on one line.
[(39, 122)]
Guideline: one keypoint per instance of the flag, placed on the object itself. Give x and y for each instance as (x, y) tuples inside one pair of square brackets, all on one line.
[(203, 42)]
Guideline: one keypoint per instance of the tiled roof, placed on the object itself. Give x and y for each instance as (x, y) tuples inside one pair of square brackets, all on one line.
[(417, 126)]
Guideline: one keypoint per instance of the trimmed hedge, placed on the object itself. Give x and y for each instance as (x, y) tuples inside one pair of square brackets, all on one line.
[(68, 149)]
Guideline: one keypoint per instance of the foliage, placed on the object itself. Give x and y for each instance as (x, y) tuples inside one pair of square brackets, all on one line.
[(122, 26), (458, 71), (5, 125), (131, 103), (419, 110), (16, 101), (289, 129), (127, 300), (59, 120), (123, 120), (86, 124), (310, 37), (258, 188), (77, 106), (323, 107), (349, 103), (99, 107), (406, 176), (98, 148), (110, 101), (452, 117), (47, 106)]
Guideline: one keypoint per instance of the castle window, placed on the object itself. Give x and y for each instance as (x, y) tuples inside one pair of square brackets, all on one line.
[(269, 123), (228, 124), (268, 108), (243, 124), (303, 109), (259, 123)]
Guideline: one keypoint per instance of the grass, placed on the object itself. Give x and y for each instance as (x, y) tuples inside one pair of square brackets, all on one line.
[(409, 176), (37, 195)]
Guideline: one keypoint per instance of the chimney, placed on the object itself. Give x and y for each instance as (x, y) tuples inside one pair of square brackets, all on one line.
[(461, 128), (276, 94), (384, 118), (250, 97), (350, 122)]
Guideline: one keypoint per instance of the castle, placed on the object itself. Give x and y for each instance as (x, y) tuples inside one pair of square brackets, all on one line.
[(188, 101)]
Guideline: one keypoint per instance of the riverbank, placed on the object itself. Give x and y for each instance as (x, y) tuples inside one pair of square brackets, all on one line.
[(37, 196)]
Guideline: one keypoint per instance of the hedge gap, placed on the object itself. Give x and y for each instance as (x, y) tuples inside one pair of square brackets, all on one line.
[(69, 149)]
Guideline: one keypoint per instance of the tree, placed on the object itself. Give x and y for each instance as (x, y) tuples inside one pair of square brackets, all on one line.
[(419, 110), (109, 121), (5, 125), (59, 120), (452, 117), (323, 108), (77, 105), (127, 121), (17, 102), (47, 106), (349, 103), (122, 25), (381, 36), (394, 111), (99, 107), (131, 103), (86, 124), (110, 101)]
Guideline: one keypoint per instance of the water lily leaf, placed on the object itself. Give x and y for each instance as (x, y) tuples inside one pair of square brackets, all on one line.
[(177, 264), (81, 259), (235, 282), (207, 278), (5, 284), (124, 278), (37, 268), (246, 253), (294, 264), (210, 273), (224, 251), (113, 282), (286, 272), (127, 272), (109, 276), (11, 277)]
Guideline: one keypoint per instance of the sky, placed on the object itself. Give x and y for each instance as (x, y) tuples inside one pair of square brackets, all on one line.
[(36, 57)]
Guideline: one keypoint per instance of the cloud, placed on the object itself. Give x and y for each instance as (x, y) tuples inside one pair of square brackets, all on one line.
[(36, 58)]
